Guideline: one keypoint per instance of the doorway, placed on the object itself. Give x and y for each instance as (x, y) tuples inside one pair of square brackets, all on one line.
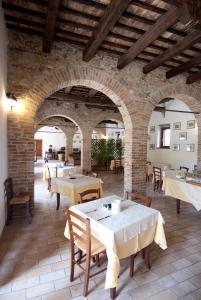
[(38, 149)]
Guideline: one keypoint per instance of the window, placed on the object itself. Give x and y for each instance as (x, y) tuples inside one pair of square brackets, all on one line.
[(165, 136)]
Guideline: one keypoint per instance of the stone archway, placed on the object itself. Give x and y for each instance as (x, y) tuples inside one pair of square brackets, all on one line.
[(185, 93), (48, 83)]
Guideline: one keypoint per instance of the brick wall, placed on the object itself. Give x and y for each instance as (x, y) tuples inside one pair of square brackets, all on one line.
[(34, 75)]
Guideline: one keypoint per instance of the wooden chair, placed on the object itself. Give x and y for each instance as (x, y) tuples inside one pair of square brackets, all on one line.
[(145, 200), (21, 200), (184, 169), (140, 197), (89, 192), (158, 181), (88, 247), (118, 168)]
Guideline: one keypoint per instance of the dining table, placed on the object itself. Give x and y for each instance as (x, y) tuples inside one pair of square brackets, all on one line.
[(123, 234), (182, 188), (59, 170), (72, 186)]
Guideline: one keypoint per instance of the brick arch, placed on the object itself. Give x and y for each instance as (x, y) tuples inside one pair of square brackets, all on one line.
[(186, 93), (115, 88), (50, 82)]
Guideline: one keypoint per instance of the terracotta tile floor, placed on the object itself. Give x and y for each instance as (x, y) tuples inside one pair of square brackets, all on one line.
[(35, 258)]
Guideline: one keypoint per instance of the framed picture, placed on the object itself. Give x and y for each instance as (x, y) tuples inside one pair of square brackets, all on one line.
[(177, 126), (152, 147), (152, 129), (183, 136), (190, 124), (176, 147), (190, 147)]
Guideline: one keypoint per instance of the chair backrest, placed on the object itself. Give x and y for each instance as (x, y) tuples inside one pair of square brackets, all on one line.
[(117, 163), (143, 199), (8, 188), (157, 173), (79, 229), (184, 168), (148, 162), (89, 192)]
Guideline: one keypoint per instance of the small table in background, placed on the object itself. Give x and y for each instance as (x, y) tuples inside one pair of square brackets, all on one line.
[(72, 186)]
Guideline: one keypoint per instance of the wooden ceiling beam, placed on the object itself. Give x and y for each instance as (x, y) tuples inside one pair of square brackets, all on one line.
[(180, 46), (177, 3), (110, 16), (164, 22), (184, 67), (52, 13), (92, 93), (148, 7), (194, 78)]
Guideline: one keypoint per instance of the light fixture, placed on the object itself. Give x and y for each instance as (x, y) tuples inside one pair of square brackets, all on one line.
[(12, 100)]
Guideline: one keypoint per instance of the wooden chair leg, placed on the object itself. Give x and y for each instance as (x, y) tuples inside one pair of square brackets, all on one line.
[(97, 260), (113, 293), (58, 201), (178, 206), (72, 264), (30, 209), (8, 214), (132, 259), (28, 213), (86, 276)]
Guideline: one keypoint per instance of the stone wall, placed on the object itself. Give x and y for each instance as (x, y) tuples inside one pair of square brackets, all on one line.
[(34, 75)]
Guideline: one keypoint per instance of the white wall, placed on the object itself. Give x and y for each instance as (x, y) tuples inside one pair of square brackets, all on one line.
[(50, 136), (3, 121), (175, 158)]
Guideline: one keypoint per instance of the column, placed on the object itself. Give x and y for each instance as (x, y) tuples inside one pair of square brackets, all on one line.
[(69, 132), (86, 150)]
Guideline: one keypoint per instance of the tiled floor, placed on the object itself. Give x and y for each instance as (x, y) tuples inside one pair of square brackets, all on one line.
[(35, 258)]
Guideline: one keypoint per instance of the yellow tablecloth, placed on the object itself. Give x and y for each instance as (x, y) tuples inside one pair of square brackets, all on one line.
[(182, 190), (112, 164), (124, 234), (72, 187)]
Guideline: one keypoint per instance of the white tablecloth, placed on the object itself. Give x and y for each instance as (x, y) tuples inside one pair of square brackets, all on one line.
[(182, 190), (62, 170), (72, 187), (124, 234)]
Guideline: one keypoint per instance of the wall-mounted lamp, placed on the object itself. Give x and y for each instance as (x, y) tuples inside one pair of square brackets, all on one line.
[(12, 100)]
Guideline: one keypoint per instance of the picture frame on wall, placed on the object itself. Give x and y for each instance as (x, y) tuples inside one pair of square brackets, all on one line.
[(177, 126), (152, 129), (190, 147), (176, 147), (183, 136), (151, 146), (190, 124)]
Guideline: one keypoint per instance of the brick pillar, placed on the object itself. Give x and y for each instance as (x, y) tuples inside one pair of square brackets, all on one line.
[(86, 149), (69, 132), (135, 156), (21, 151)]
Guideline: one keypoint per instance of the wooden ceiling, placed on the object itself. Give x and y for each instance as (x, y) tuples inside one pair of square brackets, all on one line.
[(83, 95), (157, 32)]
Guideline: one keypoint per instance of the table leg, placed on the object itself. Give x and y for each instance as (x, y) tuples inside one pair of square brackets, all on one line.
[(58, 200), (113, 293), (178, 206)]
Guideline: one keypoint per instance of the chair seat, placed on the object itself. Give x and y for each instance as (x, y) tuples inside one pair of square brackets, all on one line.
[(21, 199), (96, 246)]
